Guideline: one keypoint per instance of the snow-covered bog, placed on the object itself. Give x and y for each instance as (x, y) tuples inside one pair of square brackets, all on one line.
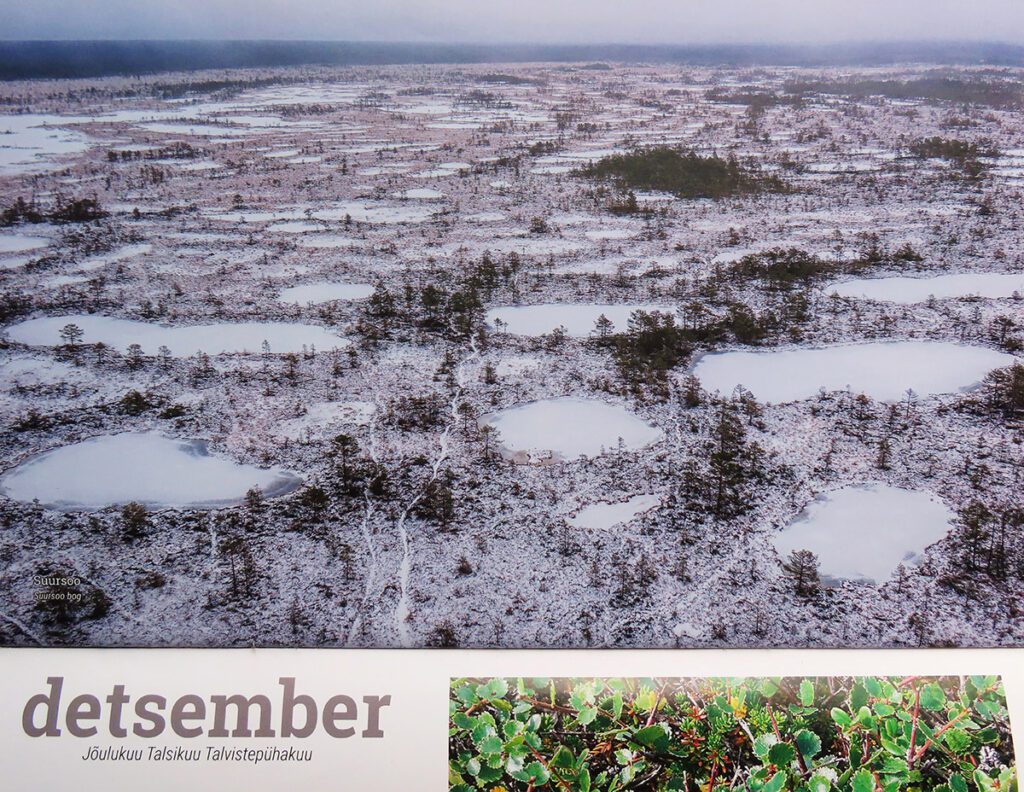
[(428, 355)]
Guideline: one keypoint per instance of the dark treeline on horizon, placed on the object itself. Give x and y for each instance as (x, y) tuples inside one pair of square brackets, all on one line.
[(70, 59)]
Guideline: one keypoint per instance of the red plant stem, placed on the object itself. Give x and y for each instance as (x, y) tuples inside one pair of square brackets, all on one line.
[(775, 726), (913, 728), (778, 735), (657, 699), (551, 772), (939, 733)]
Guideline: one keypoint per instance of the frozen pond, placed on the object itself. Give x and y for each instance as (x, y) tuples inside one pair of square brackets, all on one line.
[(19, 243), (183, 340), (325, 292), (882, 370), (145, 467), (32, 143), (577, 319), (865, 532), (915, 290), (608, 515), (567, 428), (327, 241)]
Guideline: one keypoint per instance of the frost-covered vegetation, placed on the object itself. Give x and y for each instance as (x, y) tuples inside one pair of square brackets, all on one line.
[(513, 355), (849, 734)]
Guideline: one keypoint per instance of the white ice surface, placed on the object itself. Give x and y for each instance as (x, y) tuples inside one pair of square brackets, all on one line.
[(18, 242), (183, 340), (569, 427), (865, 532), (608, 515), (145, 467), (325, 292), (883, 370), (577, 318), (915, 290)]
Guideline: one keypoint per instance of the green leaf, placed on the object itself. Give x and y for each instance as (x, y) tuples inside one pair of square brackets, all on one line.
[(778, 781), (807, 692), (586, 715), (932, 697), (808, 743), (495, 688), (462, 720), (473, 767), (863, 781), (655, 736), (841, 718), (874, 687), (645, 700), (819, 783), (983, 782), (481, 732), (583, 781), (536, 773), (895, 748), (894, 766), (563, 757), (781, 754), (617, 705), (768, 688), (762, 743), (858, 697), (466, 694), (957, 740), (490, 745), (490, 774), (957, 783)]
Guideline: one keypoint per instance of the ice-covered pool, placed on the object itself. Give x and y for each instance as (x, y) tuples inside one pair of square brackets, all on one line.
[(914, 290), (182, 340), (567, 428), (883, 370), (145, 467), (865, 532), (577, 318)]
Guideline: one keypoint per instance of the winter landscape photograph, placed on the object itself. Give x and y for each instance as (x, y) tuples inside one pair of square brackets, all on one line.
[(712, 336)]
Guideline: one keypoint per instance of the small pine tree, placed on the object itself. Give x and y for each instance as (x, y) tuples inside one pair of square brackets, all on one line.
[(802, 569), (603, 330), (134, 520)]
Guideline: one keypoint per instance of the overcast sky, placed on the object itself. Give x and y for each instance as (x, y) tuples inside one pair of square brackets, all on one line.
[(547, 21)]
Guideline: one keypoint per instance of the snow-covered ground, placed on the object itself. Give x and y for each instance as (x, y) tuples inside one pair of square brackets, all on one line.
[(594, 514)]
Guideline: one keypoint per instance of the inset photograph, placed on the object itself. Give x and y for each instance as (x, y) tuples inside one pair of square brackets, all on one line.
[(850, 734)]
